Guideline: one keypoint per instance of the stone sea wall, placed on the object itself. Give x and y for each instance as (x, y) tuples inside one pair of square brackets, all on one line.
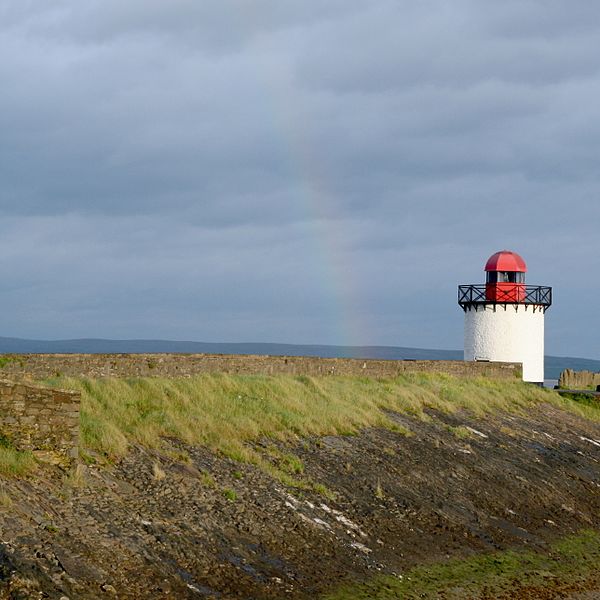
[(579, 380), (40, 366), (40, 419)]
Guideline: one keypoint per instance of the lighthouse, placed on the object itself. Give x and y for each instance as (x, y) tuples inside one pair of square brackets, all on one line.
[(504, 318)]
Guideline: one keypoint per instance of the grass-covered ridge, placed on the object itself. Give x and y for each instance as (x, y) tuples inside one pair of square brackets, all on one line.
[(224, 412)]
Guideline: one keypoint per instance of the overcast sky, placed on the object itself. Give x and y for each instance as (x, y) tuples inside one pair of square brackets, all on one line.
[(295, 171)]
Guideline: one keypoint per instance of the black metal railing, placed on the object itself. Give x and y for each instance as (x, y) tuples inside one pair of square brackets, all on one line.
[(540, 295)]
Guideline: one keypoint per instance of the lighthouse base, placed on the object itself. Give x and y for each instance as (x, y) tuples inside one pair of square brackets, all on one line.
[(509, 333)]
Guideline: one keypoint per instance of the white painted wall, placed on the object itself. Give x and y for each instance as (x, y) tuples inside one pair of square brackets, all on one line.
[(511, 333)]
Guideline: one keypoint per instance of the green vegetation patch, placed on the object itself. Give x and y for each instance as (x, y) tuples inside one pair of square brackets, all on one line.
[(16, 463), (460, 431), (491, 575), (583, 399), (6, 359), (584, 405), (13, 462), (230, 494)]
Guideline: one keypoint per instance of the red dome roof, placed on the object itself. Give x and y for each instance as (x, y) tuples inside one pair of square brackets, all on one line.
[(505, 260)]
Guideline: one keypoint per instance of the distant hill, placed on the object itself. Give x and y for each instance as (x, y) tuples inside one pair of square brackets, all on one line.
[(554, 364)]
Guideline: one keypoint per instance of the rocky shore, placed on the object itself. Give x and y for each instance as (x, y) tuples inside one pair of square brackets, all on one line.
[(183, 522)]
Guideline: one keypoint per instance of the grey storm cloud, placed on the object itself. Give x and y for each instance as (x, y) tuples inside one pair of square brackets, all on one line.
[(311, 172)]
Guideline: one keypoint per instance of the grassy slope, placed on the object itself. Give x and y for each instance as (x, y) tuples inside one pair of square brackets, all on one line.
[(223, 412)]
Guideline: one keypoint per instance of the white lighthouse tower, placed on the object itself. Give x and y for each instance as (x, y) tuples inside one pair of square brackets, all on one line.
[(504, 319)]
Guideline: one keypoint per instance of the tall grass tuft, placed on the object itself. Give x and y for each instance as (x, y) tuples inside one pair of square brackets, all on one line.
[(15, 463)]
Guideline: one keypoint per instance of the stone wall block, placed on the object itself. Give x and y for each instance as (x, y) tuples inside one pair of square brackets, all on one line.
[(578, 380), (33, 417)]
